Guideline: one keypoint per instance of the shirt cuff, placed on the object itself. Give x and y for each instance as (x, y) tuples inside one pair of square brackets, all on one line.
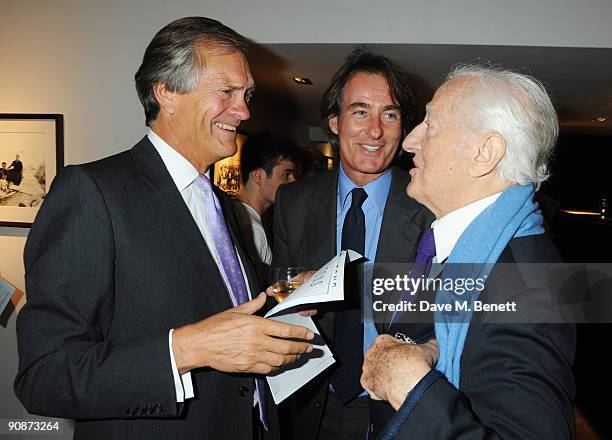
[(182, 383)]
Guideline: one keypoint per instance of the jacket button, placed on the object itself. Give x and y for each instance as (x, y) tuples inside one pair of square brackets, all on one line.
[(243, 391), (155, 409), (317, 405), (139, 411), (130, 412)]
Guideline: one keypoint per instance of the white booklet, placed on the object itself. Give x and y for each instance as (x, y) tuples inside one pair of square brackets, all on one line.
[(326, 285)]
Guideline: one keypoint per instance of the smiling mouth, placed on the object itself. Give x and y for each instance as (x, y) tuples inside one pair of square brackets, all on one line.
[(226, 127), (371, 148)]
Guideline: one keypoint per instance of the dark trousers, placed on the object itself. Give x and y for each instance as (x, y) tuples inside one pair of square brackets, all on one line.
[(345, 422)]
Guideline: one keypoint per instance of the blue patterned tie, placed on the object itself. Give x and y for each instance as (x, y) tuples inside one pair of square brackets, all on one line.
[(229, 265)]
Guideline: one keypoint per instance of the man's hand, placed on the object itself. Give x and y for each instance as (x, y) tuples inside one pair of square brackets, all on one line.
[(236, 341), (392, 368), (303, 276)]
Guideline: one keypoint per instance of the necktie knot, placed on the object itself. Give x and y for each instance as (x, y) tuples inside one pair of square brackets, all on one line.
[(359, 196), (204, 183)]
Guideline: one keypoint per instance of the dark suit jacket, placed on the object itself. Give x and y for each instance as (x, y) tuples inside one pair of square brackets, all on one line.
[(516, 379), (305, 235), (113, 262)]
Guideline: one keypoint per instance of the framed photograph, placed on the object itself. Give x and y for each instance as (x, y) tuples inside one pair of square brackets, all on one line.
[(31, 153), (226, 172)]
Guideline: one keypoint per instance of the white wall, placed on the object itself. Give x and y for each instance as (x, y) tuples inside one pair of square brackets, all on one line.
[(78, 58)]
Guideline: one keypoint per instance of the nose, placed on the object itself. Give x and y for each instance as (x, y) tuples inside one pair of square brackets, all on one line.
[(291, 178), (241, 109), (412, 141), (375, 129)]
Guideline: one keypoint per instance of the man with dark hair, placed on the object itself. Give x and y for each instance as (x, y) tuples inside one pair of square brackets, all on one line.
[(138, 322), (361, 206), (267, 161)]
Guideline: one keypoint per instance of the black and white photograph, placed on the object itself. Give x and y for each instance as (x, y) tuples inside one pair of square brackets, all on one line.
[(31, 151)]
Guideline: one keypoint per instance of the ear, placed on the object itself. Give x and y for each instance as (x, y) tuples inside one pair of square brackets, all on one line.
[(165, 98), (488, 155), (257, 175), (332, 122)]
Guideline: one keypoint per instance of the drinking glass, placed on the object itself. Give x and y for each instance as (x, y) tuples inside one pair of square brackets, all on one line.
[(285, 280)]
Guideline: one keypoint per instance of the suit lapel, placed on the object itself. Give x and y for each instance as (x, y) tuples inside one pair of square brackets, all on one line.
[(399, 234), (181, 231), (321, 227), (321, 234)]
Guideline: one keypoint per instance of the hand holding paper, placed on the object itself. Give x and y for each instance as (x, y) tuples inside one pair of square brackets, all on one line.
[(326, 285)]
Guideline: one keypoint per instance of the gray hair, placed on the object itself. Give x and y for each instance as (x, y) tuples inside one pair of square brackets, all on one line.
[(172, 57), (517, 107)]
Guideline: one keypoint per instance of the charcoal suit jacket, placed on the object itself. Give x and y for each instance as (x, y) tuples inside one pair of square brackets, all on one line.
[(516, 378), (113, 262), (305, 235)]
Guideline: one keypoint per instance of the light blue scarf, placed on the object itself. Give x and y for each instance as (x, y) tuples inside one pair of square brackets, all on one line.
[(514, 214)]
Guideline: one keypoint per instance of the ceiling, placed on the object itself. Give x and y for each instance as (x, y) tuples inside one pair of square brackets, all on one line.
[(578, 79)]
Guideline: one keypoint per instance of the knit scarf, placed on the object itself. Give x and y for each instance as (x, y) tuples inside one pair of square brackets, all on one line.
[(513, 214)]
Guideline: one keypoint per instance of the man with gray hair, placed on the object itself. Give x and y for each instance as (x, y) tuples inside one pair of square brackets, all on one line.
[(140, 320), (480, 153)]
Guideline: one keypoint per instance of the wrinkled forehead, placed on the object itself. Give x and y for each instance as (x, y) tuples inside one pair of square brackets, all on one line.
[(450, 98), (221, 58)]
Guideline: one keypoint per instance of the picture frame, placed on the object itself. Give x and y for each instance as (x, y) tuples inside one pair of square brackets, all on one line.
[(226, 173), (31, 154)]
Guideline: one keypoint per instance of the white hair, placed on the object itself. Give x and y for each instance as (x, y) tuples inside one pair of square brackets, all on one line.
[(517, 107)]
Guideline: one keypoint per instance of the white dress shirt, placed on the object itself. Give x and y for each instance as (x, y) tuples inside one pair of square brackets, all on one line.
[(251, 219), (449, 228), (183, 174)]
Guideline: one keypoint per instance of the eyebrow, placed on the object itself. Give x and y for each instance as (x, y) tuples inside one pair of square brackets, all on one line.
[(224, 81), (236, 87), (366, 105), (358, 104)]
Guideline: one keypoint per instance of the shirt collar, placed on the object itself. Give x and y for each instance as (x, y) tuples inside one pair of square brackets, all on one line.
[(449, 228), (377, 190), (252, 211), (183, 173)]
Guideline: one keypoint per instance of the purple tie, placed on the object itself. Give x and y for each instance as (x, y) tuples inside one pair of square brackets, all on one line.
[(228, 264), (425, 253), (422, 264), (427, 248)]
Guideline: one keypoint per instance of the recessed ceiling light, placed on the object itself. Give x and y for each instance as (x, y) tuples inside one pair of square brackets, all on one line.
[(600, 119), (302, 80)]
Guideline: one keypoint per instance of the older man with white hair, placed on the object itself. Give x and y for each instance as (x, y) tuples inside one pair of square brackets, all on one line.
[(480, 153)]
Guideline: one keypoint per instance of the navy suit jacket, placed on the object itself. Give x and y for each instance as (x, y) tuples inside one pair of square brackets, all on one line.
[(305, 235), (516, 379)]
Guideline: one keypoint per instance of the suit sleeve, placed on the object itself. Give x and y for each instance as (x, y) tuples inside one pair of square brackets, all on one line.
[(69, 364), (520, 387)]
